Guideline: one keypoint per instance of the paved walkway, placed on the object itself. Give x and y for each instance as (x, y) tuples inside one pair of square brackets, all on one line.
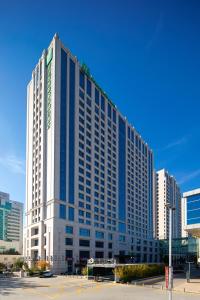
[(181, 284), (62, 288)]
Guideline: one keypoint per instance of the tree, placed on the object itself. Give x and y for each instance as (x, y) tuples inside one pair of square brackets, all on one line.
[(18, 264), (42, 265), (2, 266)]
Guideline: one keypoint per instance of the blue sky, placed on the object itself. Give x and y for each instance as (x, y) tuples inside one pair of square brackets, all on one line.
[(144, 54)]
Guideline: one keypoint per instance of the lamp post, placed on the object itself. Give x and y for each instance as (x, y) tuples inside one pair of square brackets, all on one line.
[(170, 286)]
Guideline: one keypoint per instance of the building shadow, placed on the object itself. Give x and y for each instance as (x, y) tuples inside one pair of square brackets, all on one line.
[(9, 285)]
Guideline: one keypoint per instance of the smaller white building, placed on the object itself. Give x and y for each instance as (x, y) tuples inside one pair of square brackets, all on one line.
[(166, 191)]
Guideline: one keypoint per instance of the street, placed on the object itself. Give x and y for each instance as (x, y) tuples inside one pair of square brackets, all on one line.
[(62, 287)]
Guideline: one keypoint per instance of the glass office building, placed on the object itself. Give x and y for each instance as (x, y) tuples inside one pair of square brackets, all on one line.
[(191, 213), (183, 250), (11, 220), (89, 186)]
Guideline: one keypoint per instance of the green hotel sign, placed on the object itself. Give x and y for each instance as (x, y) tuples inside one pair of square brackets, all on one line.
[(49, 56), (48, 64)]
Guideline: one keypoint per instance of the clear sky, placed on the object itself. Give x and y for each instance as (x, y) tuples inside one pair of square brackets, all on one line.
[(144, 54)]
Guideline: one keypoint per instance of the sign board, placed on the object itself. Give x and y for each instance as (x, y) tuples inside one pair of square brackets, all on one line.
[(166, 277)]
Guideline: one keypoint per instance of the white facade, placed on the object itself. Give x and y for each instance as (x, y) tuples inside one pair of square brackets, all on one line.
[(89, 173), (167, 191), (12, 221)]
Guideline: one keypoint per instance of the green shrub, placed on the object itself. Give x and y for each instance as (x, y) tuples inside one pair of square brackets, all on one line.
[(86, 271), (128, 273)]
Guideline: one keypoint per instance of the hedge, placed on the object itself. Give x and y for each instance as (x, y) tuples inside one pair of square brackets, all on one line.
[(129, 273)]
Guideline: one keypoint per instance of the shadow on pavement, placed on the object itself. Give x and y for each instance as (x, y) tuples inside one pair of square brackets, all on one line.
[(8, 285)]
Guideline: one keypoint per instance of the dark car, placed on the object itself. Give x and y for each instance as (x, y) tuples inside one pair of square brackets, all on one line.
[(46, 274)]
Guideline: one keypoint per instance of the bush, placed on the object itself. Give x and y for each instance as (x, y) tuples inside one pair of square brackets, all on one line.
[(86, 271), (2, 267), (129, 273), (18, 264), (42, 265), (34, 270)]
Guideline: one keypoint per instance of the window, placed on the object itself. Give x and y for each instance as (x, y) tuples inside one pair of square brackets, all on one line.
[(84, 232), (122, 227), (109, 110), (62, 211), (99, 244), (89, 87), (102, 103), (114, 116), (81, 80), (69, 229), (99, 234), (68, 254), (71, 214), (69, 241), (81, 213), (110, 236), (96, 96), (99, 254), (84, 243), (84, 255), (122, 238)]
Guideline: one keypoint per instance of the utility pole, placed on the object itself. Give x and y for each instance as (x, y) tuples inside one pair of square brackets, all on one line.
[(170, 286)]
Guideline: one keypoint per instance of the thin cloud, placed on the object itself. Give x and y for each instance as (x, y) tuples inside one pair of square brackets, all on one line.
[(13, 163), (178, 142), (156, 32), (173, 144), (187, 177)]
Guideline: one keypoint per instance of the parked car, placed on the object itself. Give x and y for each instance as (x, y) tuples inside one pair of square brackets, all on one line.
[(46, 274)]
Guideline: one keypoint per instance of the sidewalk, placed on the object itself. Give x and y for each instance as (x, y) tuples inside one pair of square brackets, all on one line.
[(190, 287), (180, 284)]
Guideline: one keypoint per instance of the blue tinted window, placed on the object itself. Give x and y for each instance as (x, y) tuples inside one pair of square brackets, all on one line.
[(150, 194), (132, 136), (69, 229), (114, 116), (81, 213), (96, 96), (63, 125), (193, 209), (109, 110), (62, 211), (82, 80), (71, 131), (122, 227), (89, 87), (136, 141), (110, 236), (122, 170), (71, 214), (84, 232), (129, 132), (99, 235), (102, 103), (122, 238)]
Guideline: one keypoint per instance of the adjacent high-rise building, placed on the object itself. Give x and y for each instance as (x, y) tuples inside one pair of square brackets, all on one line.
[(166, 191), (11, 220), (191, 213), (89, 173)]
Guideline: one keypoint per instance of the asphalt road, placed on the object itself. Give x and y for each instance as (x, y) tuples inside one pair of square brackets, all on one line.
[(63, 288)]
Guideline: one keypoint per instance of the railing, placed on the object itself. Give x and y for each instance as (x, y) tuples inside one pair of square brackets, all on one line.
[(98, 261)]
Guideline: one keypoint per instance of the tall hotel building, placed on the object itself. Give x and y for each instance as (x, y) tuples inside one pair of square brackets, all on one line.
[(167, 191), (89, 173)]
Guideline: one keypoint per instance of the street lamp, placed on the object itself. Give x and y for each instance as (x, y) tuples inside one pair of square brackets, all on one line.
[(170, 286)]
